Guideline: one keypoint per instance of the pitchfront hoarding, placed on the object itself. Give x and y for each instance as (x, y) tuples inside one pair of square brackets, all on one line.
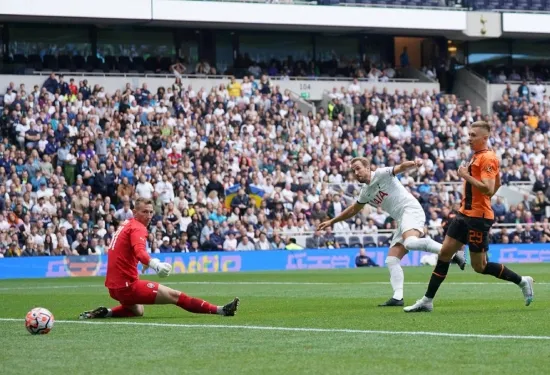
[(214, 262)]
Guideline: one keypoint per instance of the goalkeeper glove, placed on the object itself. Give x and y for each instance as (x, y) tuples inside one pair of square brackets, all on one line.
[(161, 268)]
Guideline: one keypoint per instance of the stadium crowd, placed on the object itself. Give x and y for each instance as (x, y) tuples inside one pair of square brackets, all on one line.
[(73, 157)]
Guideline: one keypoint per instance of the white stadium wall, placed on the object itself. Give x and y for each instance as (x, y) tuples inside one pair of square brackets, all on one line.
[(311, 89), (528, 23), (282, 14), (183, 12), (212, 12), (118, 9), (495, 91)]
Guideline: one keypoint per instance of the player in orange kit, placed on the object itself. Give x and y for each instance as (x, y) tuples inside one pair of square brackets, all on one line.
[(127, 248), (472, 224)]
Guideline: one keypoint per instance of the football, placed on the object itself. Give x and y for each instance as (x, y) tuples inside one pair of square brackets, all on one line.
[(39, 321)]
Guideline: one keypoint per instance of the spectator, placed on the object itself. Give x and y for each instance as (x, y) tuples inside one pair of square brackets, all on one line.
[(363, 260), (165, 247), (499, 209), (230, 243), (538, 208), (263, 243), (245, 244), (292, 245)]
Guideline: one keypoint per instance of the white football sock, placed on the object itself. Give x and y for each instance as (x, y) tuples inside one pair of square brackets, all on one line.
[(422, 244), (397, 278)]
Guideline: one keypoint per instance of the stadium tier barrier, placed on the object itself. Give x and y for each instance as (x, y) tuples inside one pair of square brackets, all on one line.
[(310, 89), (235, 261)]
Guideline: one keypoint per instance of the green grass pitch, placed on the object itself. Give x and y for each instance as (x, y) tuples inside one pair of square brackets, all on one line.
[(299, 322)]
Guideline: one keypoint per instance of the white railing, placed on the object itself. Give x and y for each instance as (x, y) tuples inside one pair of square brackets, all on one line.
[(82, 73), (389, 232), (381, 238)]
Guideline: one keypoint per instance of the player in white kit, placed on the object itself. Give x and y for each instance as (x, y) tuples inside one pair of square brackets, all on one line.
[(382, 189)]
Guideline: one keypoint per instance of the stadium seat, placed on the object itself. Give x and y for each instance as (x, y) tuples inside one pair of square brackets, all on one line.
[(111, 61), (19, 59), (383, 241), (368, 241), (64, 62), (165, 63), (355, 241), (79, 62), (342, 241)]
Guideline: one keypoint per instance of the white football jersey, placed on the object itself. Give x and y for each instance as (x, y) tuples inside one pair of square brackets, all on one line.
[(387, 192)]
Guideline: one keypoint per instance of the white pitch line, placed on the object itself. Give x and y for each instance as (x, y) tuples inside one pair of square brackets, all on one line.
[(299, 329), (74, 286)]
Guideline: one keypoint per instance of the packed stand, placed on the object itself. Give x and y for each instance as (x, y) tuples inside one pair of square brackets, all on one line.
[(73, 158), (524, 113)]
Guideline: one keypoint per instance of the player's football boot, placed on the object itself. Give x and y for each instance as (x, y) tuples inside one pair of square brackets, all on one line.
[(231, 308), (392, 302), (459, 260), (526, 286), (422, 305), (100, 312)]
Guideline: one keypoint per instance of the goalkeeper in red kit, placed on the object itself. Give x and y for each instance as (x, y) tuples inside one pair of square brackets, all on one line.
[(127, 248)]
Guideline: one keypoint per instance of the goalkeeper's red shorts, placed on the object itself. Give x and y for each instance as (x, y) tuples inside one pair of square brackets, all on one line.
[(142, 292)]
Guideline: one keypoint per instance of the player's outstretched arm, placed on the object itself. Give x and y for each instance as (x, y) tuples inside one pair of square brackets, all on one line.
[(406, 165), (348, 213), (137, 240), (161, 268)]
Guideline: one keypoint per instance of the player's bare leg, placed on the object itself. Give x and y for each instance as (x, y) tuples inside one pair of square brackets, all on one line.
[(500, 271), (169, 296), (448, 250), (397, 277), (412, 241)]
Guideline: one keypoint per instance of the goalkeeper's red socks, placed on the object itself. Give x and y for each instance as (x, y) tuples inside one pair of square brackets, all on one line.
[(196, 305), (191, 304), (121, 312)]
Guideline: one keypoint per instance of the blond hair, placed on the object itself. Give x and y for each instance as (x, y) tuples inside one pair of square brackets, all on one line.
[(483, 125), (361, 160), (142, 201)]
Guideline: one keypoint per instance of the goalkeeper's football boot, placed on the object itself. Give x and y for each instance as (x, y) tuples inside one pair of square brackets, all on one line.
[(422, 305), (100, 312), (526, 286), (459, 259), (231, 308), (392, 302)]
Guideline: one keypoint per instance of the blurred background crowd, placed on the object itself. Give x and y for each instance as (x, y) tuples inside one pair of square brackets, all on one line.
[(239, 167)]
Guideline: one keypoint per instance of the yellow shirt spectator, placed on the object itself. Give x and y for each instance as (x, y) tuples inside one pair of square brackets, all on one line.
[(234, 88), (13, 250), (533, 121)]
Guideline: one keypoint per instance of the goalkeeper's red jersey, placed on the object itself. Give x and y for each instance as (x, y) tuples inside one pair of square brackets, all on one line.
[(127, 248)]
